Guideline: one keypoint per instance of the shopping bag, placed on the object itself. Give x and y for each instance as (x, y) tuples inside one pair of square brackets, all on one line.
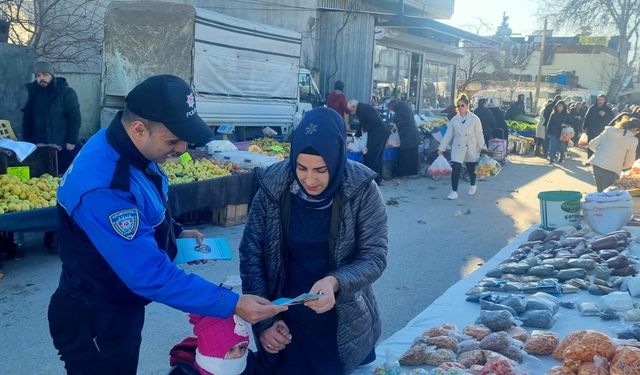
[(567, 134), (583, 141), (487, 167), (439, 167), (394, 139)]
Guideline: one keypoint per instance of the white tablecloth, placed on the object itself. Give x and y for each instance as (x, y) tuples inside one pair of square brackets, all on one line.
[(451, 307)]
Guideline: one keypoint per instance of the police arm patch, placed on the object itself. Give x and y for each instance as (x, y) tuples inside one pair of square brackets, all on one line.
[(125, 222)]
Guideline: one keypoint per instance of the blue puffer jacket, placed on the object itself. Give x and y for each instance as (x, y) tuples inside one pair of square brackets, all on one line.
[(359, 257)]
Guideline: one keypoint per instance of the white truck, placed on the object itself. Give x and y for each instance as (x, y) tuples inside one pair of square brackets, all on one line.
[(243, 73)]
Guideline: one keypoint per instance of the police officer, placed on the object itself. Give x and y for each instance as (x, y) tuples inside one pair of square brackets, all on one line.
[(117, 238)]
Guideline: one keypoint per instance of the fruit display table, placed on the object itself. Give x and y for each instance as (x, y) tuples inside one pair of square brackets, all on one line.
[(37, 220), (218, 192)]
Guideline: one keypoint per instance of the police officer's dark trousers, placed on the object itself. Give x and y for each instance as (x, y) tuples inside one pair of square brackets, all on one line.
[(93, 340)]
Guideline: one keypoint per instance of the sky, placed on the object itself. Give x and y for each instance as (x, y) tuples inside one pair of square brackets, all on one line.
[(522, 15)]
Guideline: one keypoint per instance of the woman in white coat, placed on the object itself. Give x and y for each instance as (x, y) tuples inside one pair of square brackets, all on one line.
[(614, 150), (464, 135)]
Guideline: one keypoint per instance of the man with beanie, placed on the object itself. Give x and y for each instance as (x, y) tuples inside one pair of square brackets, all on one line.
[(337, 101), (52, 113), (118, 239)]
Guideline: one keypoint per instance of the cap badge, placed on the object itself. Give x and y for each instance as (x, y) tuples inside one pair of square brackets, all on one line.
[(311, 129)]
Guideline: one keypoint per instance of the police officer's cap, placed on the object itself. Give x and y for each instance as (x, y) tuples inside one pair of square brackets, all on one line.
[(169, 100)]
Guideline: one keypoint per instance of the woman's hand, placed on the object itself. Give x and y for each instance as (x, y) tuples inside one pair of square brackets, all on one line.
[(326, 287), (276, 337)]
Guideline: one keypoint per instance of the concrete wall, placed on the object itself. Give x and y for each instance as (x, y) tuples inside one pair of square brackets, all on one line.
[(87, 86), (16, 69)]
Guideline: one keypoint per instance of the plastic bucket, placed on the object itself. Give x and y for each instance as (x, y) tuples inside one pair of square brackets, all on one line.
[(559, 209), (607, 212)]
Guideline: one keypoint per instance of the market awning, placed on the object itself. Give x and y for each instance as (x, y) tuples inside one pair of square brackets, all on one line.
[(433, 26)]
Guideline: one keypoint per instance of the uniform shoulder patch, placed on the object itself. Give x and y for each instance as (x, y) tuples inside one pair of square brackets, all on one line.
[(125, 222)]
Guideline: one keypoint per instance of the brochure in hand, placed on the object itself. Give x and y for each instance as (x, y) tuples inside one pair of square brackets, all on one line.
[(304, 297), (211, 249)]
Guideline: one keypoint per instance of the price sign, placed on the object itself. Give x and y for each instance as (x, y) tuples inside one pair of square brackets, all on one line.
[(185, 158), (22, 172), (226, 129)]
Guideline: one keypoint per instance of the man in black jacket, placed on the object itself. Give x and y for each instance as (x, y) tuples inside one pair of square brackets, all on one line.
[(487, 120), (515, 109), (377, 134), (407, 164), (52, 114), (597, 117)]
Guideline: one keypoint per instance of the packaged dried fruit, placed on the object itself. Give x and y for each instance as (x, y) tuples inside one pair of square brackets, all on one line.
[(439, 356), (560, 370), (472, 357), (442, 330), (558, 353), (542, 343), (599, 366), (499, 366), (626, 361), (445, 342), (589, 345), (497, 341), (415, 356), (477, 331)]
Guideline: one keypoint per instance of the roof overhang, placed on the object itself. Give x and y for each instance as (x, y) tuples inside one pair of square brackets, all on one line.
[(400, 21)]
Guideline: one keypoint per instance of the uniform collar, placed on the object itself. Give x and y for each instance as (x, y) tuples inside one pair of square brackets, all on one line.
[(120, 141)]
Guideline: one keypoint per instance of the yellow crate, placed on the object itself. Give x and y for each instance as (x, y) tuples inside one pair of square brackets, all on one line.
[(6, 131)]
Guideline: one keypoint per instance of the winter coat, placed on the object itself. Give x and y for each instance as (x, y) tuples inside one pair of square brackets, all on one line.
[(487, 120), (63, 115), (514, 110), (556, 122), (594, 123), (540, 129), (359, 256), (500, 123), (466, 139), (613, 149), (407, 129), (370, 122)]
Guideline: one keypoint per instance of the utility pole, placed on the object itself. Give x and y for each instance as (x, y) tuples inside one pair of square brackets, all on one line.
[(539, 76)]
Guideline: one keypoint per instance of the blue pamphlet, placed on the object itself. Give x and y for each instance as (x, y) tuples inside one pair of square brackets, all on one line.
[(294, 301), (211, 248)]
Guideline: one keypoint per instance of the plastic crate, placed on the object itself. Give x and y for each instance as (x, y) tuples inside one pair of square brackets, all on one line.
[(355, 156), (6, 131), (390, 153), (43, 160)]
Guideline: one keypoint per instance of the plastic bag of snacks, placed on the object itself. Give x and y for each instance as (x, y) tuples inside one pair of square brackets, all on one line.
[(487, 167), (439, 167), (583, 141)]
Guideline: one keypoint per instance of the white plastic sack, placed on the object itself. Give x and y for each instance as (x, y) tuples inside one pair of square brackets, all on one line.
[(439, 167), (220, 146), (394, 139)]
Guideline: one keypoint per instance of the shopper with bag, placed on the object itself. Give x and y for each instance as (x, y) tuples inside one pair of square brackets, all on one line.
[(407, 164), (557, 121), (614, 150), (464, 135)]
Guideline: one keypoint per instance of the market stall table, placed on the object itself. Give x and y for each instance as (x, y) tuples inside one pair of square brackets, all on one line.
[(451, 307), (217, 192)]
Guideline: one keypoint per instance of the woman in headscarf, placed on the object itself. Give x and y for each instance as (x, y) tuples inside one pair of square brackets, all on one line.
[(318, 224)]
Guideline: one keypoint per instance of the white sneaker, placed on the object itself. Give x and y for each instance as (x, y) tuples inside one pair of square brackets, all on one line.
[(453, 195), (472, 190)]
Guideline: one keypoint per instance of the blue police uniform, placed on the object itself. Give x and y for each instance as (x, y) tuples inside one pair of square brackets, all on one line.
[(117, 243)]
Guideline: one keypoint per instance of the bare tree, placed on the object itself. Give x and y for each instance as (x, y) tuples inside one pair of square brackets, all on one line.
[(621, 16), (69, 31), (477, 64)]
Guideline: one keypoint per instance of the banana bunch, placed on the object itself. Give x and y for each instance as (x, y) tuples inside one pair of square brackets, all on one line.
[(17, 194), (195, 170)]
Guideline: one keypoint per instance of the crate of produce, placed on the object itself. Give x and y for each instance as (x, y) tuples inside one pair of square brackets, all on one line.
[(230, 215), (43, 160)]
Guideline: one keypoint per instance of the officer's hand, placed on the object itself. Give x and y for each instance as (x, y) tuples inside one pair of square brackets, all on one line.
[(276, 337), (70, 146), (254, 309), (192, 233)]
